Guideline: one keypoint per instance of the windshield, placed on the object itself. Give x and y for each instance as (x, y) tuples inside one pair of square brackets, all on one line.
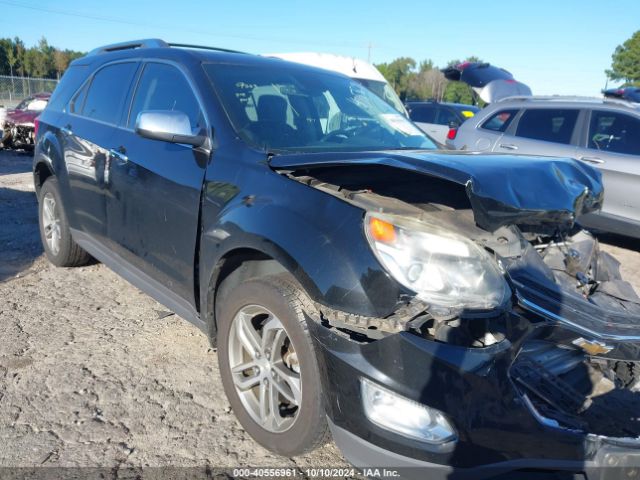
[(385, 92), (34, 104), (297, 109)]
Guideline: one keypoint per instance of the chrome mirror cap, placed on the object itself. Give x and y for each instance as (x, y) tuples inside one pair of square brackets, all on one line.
[(168, 126)]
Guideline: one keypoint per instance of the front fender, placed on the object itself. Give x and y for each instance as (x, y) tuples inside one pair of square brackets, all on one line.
[(318, 238)]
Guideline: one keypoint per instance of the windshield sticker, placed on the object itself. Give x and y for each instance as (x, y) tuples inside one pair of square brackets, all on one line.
[(398, 122)]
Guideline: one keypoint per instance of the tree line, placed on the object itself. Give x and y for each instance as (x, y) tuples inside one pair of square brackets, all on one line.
[(411, 80), (39, 61), (625, 62), (424, 81)]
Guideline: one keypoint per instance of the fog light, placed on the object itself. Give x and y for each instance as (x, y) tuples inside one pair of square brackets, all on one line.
[(403, 416)]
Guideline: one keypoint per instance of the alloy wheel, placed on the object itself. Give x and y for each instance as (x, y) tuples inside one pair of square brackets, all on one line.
[(264, 368), (51, 223)]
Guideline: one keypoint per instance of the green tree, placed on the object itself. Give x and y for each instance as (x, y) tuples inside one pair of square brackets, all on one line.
[(427, 83), (458, 92), (42, 60), (398, 73), (625, 63), (61, 61)]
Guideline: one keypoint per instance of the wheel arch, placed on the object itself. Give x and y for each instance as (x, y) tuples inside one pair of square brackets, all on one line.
[(47, 152), (238, 265), (41, 172)]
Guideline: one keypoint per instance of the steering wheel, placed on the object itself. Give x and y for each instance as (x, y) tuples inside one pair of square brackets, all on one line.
[(343, 134), (338, 136)]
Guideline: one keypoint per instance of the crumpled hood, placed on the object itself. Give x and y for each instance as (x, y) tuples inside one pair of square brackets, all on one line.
[(19, 117), (541, 192)]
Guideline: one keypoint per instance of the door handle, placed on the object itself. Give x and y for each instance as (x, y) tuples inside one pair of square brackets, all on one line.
[(118, 154), (66, 130), (508, 146), (592, 159)]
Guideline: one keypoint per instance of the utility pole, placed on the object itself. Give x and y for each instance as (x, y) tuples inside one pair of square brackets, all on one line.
[(369, 53)]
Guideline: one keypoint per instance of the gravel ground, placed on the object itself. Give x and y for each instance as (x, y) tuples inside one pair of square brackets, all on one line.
[(93, 373)]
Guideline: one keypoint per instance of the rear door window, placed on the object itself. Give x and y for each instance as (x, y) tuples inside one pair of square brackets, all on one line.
[(549, 124), (500, 121), (108, 91), (424, 113), (164, 87), (614, 132)]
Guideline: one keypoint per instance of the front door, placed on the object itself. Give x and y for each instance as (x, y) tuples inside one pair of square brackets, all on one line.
[(154, 195)]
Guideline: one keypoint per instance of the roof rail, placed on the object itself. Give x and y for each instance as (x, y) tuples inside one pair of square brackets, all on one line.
[(202, 47), (146, 43), (152, 43), (559, 98), (568, 98)]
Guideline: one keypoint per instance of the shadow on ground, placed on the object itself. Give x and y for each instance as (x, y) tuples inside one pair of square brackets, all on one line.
[(15, 161), (19, 237), (620, 241)]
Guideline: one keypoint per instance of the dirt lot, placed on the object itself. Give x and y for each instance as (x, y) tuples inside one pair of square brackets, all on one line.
[(94, 374)]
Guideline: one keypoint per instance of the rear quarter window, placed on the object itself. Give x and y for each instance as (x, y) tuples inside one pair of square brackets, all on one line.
[(499, 121), (71, 80), (548, 124)]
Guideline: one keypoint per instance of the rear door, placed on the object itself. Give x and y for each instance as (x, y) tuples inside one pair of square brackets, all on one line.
[(88, 129), (613, 145), (542, 131), (154, 193)]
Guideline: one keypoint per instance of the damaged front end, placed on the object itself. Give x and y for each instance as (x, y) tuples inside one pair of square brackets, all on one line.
[(18, 135), (522, 335)]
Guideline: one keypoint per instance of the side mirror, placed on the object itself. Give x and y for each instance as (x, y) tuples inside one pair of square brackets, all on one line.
[(167, 125)]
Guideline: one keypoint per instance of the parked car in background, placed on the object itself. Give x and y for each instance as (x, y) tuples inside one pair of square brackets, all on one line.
[(435, 118), (626, 93), (359, 70), (422, 306), (18, 129), (602, 132)]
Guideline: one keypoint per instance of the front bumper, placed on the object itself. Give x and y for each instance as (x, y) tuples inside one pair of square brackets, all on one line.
[(497, 431), (610, 463)]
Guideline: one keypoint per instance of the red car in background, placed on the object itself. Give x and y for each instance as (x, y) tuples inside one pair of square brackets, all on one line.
[(18, 127)]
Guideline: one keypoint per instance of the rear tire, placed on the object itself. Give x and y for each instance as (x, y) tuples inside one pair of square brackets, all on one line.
[(60, 248), (260, 313)]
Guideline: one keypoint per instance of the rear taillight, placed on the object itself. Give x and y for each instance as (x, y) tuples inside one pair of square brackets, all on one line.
[(36, 124), (451, 134)]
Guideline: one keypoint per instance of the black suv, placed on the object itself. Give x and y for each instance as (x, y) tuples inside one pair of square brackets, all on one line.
[(426, 310)]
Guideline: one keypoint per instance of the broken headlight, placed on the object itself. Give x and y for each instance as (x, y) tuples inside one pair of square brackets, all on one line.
[(446, 270)]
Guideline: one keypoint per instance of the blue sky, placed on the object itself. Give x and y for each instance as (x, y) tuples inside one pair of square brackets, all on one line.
[(556, 47)]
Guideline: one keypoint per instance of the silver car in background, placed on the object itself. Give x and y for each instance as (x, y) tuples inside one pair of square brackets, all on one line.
[(602, 132)]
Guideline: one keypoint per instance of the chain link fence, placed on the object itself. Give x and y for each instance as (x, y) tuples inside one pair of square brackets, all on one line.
[(15, 89)]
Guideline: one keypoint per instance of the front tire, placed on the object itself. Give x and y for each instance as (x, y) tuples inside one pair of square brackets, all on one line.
[(268, 365), (60, 248)]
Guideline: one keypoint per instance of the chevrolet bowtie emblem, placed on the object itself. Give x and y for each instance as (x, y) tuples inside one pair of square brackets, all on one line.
[(592, 347)]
